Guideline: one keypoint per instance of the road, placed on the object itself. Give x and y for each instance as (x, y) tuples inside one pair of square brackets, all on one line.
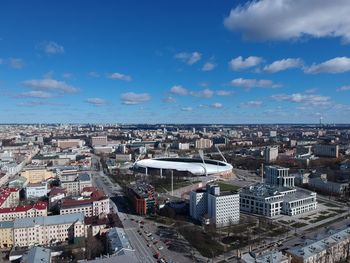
[(103, 183)]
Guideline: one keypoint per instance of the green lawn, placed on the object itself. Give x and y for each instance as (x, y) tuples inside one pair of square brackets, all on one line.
[(227, 187)]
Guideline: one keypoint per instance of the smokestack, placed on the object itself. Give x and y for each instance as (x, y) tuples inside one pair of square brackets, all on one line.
[(262, 172)]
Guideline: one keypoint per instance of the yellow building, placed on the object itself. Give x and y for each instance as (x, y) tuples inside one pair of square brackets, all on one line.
[(37, 175), (6, 234)]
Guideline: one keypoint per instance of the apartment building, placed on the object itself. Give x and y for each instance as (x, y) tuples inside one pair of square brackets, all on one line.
[(203, 143), (219, 208), (46, 230), (96, 205), (38, 209), (9, 197), (333, 247), (75, 183), (36, 190), (143, 198), (325, 150), (6, 234), (270, 154)]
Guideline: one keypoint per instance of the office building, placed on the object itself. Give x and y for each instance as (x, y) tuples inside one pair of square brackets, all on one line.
[(331, 150), (278, 176), (270, 154), (143, 198), (271, 200), (219, 208)]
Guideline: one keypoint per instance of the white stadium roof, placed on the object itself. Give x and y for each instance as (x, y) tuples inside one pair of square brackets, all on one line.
[(194, 166)]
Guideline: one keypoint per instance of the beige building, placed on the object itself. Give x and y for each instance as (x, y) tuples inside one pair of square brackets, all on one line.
[(38, 209), (70, 143), (96, 205), (46, 230), (35, 175), (203, 143), (6, 234)]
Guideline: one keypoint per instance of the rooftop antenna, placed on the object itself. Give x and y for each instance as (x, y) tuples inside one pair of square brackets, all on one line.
[(202, 157)]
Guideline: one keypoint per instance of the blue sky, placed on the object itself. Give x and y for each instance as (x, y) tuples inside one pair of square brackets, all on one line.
[(180, 61)]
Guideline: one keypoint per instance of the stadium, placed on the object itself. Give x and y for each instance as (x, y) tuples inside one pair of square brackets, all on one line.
[(190, 166)]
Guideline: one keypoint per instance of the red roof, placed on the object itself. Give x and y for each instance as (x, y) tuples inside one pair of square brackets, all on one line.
[(89, 189), (57, 190), (5, 193), (24, 208), (95, 196)]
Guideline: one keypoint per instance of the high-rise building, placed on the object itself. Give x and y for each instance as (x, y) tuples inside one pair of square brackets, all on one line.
[(203, 143), (220, 208), (279, 176), (270, 154)]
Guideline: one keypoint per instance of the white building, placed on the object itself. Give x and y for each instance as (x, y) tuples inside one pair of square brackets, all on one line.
[(270, 154), (221, 209), (36, 190), (278, 176), (203, 143), (99, 141), (183, 146)]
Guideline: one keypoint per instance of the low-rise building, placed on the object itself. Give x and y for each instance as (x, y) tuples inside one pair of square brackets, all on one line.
[(23, 211), (96, 205), (268, 257), (117, 241), (46, 230), (329, 187), (36, 175), (9, 197), (74, 184), (37, 254), (270, 200), (334, 247), (36, 190)]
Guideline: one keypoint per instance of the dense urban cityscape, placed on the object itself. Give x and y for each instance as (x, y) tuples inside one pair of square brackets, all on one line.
[(175, 131), (174, 193)]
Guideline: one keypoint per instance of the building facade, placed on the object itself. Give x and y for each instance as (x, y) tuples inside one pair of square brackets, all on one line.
[(325, 150), (38, 209), (47, 230)]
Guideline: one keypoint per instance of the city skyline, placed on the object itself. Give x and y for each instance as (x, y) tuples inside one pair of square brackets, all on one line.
[(174, 62)]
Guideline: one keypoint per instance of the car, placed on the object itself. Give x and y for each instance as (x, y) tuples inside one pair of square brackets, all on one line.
[(142, 222), (161, 247), (155, 242)]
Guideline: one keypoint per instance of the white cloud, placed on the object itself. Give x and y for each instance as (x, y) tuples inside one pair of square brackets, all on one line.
[(313, 100), (169, 99), (186, 109), (216, 105), (254, 83), (179, 90), (223, 93), (205, 93), (209, 66), (16, 63), (35, 94), (283, 64), (67, 75), (344, 88), (189, 58), (241, 63), (94, 74), (120, 76), (52, 47), (335, 65), (286, 19), (50, 84), (96, 101), (131, 98), (251, 104)]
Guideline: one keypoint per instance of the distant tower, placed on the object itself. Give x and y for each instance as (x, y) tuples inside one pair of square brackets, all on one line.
[(321, 120)]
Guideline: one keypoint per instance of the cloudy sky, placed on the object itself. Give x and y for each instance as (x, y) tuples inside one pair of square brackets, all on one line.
[(181, 61)]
